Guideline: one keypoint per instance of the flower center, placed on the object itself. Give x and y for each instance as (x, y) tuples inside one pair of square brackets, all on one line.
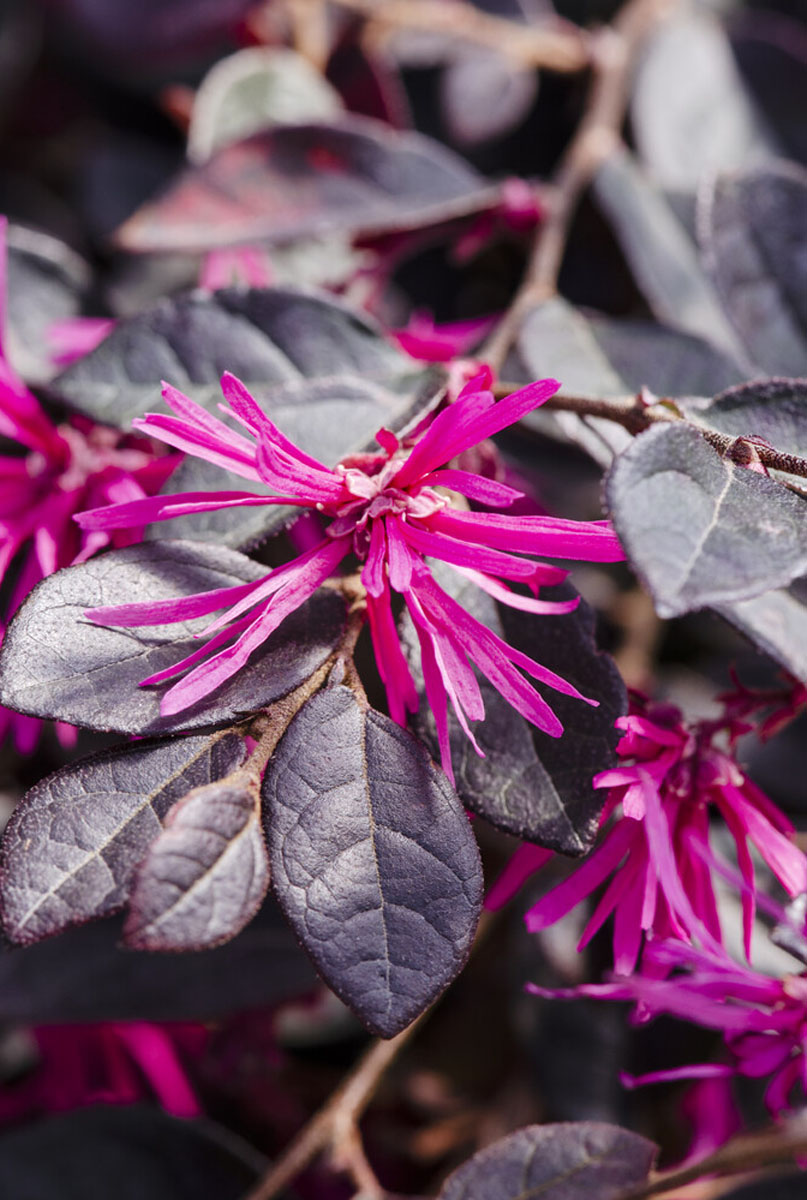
[(372, 497)]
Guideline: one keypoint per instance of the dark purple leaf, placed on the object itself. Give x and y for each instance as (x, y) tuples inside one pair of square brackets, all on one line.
[(771, 52), (576, 1161), (204, 877), (56, 663), (528, 784), (753, 226), (661, 254), (686, 131), (373, 859), (294, 181), (47, 282), (776, 622), (484, 95), (324, 371), (599, 356), (697, 528), (72, 845), (85, 975), (130, 1153), (772, 409), (253, 90)]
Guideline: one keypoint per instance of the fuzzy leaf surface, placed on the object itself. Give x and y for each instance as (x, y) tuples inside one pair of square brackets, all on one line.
[(568, 1161), (294, 181), (373, 859), (528, 784), (205, 875), (84, 974), (698, 529), (73, 843), (773, 409), (128, 1152), (754, 231), (56, 663)]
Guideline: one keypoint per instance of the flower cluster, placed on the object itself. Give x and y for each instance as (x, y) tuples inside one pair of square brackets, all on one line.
[(391, 510)]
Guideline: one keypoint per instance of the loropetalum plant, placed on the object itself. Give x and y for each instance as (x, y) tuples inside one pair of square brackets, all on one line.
[(322, 589)]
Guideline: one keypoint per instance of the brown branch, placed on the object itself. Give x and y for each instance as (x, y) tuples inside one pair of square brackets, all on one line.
[(635, 415), (335, 1126), (773, 1147), (613, 54), (559, 46)]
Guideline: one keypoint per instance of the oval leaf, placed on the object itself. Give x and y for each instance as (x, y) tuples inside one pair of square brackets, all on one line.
[(776, 622), (754, 231), (204, 877), (772, 409), (684, 133), (698, 529), (129, 1152), (252, 90), (575, 1161), (373, 859), (55, 663), (294, 181), (71, 847)]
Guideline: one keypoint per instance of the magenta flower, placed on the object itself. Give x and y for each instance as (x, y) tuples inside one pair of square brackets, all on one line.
[(391, 510), (421, 338), (763, 1020), (656, 852), (108, 1063), (61, 470)]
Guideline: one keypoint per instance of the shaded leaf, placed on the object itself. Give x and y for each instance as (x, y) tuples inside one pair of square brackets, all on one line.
[(575, 1161), (773, 409), (484, 95), (56, 663), (293, 181), (754, 230), (46, 282), (85, 975), (698, 529), (373, 859), (204, 877), (130, 1152), (328, 418), (771, 52), (528, 784), (661, 254), (687, 131), (599, 356), (776, 621), (72, 845), (323, 370), (254, 89), (594, 355)]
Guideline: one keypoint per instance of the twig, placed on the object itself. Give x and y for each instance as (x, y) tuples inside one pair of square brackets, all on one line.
[(557, 47), (309, 30), (635, 415), (614, 51), (336, 1125), (777, 1146)]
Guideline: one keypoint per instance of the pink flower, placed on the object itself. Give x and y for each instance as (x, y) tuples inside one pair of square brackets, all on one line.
[(423, 339), (390, 510), (62, 469), (108, 1063), (656, 851), (763, 1020)]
